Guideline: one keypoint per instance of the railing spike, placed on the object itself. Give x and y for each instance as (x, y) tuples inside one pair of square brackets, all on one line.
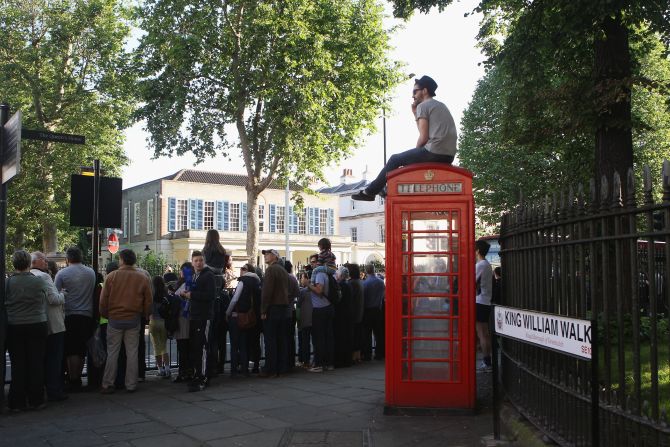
[(604, 192), (617, 201), (593, 195), (647, 185), (581, 207), (630, 188)]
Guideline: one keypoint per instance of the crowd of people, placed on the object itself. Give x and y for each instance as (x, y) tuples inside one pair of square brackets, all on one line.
[(57, 322)]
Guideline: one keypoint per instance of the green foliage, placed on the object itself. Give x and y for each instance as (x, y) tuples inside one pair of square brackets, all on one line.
[(153, 263), (292, 85), (64, 66)]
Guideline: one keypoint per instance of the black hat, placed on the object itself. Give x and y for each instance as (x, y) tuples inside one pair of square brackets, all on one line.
[(428, 83)]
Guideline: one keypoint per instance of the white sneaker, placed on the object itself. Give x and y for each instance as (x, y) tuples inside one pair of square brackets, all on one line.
[(483, 367), (315, 369)]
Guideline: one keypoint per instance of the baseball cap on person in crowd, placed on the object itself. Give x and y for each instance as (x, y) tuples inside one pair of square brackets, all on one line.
[(428, 83), (273, 251)]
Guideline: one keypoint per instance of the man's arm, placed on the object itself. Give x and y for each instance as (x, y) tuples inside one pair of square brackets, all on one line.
[(422, 124)]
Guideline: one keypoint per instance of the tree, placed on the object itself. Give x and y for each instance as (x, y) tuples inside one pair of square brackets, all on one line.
[(514, 153), (64, 66), (561, 33), (291, 84)]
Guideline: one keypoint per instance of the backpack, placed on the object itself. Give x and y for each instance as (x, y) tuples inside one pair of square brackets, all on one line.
[(169, 310), (334, 294)]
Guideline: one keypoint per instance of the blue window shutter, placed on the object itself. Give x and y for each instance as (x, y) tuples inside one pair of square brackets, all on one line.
[(273, 219), (243, 215), (226, 216), (291, 215), (191, 214), (317, 221), (310, 220), (331, 221), (201, 214), (172, 214), (219, 215)]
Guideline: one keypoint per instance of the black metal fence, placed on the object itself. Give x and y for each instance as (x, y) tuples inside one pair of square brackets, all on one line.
[(575, 256)]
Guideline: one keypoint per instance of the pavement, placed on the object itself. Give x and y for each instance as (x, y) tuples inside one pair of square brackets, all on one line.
[(344, 408)]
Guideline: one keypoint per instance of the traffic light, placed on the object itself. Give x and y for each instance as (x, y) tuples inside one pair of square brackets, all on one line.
[(659, 220)]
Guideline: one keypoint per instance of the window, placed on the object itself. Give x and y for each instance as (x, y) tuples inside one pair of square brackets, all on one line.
[(125, 223), (261, 217), (382, 233), (380, 200), (150, 216), (234, 217), (209, 215), (302, 221), (354, 234), (182, 215), (281, 216), (136, 219), (323, 221)]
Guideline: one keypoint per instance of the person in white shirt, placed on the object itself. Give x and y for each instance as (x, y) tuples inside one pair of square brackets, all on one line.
[(484, 280)]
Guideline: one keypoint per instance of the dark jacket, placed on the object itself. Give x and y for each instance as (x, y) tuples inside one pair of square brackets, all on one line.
[(202, 296), (275, 287), (214, 258), (251, 292)]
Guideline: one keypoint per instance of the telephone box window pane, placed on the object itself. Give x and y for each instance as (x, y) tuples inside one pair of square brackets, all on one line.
[(454, 221), (431, 371), (456, 347), (405, 306), (430, 220), (405, 264), (405, 371), (429, 242), (454, 243), (424, 306), (405, 219), (405, 242), (431, 284), (454, 307), (430, 264), (454, 264), (454, 328), (432, 328), (405, 327), (405, 349), (456, 372), (431, 349)]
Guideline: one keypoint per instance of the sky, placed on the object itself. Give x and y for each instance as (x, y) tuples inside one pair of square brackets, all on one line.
[(441, 45)]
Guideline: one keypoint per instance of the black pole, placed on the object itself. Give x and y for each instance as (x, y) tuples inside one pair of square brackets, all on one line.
[(95, 238), (496, 390), (595, 386), (4, 117)]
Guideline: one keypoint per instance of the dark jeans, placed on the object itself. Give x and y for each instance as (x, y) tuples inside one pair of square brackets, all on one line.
[(222, 348), (239, 355), (254, 343), (322, 336), (27, 344), (304, 336), (184, 358), (275, 334), (197, 334), (373, 322), (53, 365), (410, 157), (213, 341)]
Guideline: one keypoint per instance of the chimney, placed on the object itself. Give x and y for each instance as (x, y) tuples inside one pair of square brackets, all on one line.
[(346, 174), (364, 175)]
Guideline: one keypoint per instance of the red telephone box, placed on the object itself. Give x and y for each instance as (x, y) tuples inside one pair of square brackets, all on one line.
[(430, 301)]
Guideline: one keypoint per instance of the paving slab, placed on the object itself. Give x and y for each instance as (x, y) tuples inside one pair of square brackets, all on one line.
[(220, 429)]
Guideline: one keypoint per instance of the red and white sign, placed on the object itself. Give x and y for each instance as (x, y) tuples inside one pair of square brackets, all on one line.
[(113, 243)]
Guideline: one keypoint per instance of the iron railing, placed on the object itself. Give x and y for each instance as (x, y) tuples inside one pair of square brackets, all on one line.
[(582, 258)]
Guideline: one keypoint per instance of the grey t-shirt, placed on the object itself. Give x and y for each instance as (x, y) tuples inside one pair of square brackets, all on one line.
[(441, 127), (484, 279), (320, 301), (79, 281)]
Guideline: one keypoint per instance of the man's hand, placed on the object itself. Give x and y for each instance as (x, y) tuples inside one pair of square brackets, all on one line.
[(414, 105), (186, 295), (264, 316)]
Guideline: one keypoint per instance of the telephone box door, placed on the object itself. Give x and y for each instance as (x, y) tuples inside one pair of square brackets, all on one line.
[(430, 281)]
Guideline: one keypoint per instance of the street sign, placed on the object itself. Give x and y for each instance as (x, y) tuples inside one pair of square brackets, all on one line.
[(43, 135), (113, 243), (11, 157)]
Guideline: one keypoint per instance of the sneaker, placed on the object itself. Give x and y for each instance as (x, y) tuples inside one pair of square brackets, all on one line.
[(483, 367), (364, 196), (168, 373), (315, 369), (161, 372)]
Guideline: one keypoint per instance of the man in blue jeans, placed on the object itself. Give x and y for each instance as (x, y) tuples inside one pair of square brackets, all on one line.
[(275, 313), (437, 137)]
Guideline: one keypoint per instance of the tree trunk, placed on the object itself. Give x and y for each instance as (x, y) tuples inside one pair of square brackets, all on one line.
[(252, 223), (49, 234), (614, 141)]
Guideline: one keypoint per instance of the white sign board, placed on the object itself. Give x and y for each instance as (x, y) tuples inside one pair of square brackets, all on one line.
[(567, 335), (11, 159), (430, 188)]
